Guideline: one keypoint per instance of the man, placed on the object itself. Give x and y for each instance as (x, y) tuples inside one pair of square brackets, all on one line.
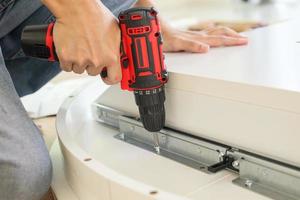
[(87, 38)]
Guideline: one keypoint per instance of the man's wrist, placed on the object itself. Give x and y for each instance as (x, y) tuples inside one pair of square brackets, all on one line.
[(70, 8), (165, 26), (144, 3)]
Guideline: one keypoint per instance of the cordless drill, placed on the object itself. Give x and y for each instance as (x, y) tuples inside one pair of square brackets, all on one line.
[(142, 60)]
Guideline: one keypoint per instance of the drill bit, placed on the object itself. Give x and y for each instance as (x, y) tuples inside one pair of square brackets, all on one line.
[(156, 142)]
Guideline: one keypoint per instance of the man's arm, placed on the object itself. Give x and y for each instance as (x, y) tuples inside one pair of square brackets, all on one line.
[(195, 41), (87, 37)]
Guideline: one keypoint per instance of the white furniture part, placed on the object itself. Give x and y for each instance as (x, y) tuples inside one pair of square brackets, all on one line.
[(245, 97)]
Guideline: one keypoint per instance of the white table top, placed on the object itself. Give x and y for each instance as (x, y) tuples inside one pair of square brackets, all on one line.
[(193, 11), (271, 59), (268, 67)]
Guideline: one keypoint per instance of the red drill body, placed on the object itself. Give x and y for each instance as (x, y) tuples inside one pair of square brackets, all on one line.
[(143, 68), (142, 60)]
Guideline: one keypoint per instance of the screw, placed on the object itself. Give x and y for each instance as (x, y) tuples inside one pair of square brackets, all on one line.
[(236, 164), (157, 149), (122, 136), (248, 183), (202, 167), (154, 192), (221, 156), (87, 159)]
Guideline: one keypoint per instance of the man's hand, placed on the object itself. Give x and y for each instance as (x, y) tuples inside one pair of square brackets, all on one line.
[(87, 37), (200, 41), (195, 41)]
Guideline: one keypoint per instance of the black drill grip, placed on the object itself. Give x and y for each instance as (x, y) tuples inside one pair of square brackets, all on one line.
[(37, 41)]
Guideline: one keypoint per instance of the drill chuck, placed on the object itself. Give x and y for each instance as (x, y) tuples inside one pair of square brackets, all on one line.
[(151, 108)]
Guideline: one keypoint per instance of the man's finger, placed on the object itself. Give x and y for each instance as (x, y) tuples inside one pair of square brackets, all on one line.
[(190, 45), (66, 66), (224, 31), (219, 41), (93, 70), (220, 31), (78, 69)]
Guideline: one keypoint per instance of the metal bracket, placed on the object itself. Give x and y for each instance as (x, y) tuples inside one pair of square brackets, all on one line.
[(186, 149), (271, 179), (176, 146), (226, 163), (262, 175)]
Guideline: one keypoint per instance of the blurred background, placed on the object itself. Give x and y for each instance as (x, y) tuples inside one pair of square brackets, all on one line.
[(183, 13)]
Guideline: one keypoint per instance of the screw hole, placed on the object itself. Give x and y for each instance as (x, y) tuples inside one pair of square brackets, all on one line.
[(153, 192), (153, 13), (157, 34), (87, 159)]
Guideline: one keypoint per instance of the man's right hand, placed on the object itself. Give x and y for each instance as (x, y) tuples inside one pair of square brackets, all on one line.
[(87, 38)]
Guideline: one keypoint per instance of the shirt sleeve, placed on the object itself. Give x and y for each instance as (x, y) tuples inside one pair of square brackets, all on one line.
[(14, 12), (116, 6)]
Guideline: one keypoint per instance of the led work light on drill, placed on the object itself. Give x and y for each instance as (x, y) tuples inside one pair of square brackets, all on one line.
[(142, 60)]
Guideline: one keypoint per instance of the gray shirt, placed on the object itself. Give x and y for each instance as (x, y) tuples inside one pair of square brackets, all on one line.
[(14, 12)]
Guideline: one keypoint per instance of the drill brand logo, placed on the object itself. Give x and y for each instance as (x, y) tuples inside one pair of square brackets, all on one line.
[(139, 30)]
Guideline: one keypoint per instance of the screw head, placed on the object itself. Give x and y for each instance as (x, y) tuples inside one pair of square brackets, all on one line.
[(122, 136), (221, 155), (248, 183), (236, 164)]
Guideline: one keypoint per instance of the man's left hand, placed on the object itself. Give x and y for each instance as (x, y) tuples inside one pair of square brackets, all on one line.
[(200, 41)]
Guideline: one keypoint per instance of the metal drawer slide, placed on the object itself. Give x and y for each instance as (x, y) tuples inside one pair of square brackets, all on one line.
[(262, 175)]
